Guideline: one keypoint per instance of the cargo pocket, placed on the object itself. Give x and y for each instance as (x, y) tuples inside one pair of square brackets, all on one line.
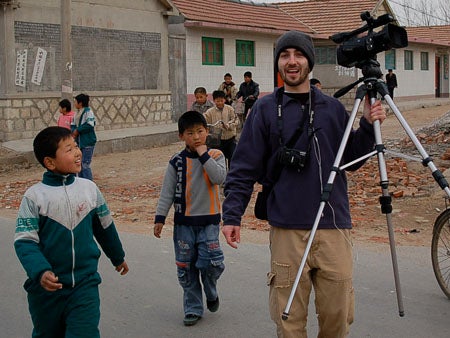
[(280, 276)]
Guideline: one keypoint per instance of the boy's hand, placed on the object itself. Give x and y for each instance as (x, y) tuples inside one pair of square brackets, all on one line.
[(50, 282), (122, 268), (157, 228), (201, 149)]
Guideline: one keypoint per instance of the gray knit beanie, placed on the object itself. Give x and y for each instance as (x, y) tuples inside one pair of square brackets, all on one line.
[(297, 40)]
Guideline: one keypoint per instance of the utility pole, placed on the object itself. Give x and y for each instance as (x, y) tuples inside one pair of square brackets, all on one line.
[(66, 50)]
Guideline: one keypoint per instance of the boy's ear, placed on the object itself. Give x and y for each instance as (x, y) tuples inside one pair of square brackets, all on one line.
[(180, 136), (49, 163)]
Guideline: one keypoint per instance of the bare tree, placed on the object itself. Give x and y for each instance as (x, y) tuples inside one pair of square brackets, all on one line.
[(444, 11), (422, 12)]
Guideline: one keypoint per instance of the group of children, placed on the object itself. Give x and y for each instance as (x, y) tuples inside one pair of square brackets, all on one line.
[(62, 218)]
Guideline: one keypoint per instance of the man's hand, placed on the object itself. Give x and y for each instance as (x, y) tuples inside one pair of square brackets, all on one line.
[(50, 282), (232, 235), (374, 112)]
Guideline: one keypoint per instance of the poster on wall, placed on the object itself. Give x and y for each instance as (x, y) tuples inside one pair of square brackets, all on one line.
[(39, 64), (21, 67)]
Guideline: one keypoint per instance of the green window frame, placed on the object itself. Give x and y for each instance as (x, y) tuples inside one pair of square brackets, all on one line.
[(212, 51), (424, 61), (409, 61), (325, 55), (389, 59), (245, 53)]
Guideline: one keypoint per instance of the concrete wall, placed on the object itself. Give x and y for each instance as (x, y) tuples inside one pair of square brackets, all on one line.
[(120, 58)]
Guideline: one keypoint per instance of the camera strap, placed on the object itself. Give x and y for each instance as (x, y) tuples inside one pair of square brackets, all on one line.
[(310, 108)]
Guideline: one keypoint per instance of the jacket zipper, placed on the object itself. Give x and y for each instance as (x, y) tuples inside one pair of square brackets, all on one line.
[(71, 231)]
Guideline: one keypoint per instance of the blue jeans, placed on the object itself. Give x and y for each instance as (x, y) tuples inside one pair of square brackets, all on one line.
[(198, 255), (86, 160)]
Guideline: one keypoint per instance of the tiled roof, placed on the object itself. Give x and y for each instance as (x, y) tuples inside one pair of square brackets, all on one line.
[(328, 17), (238, 15), (439, 35)]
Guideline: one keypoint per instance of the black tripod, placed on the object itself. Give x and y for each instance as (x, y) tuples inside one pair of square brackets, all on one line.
[(372, 85)]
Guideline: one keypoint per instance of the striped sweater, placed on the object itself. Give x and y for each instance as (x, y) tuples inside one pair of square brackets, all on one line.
[(191, 184)]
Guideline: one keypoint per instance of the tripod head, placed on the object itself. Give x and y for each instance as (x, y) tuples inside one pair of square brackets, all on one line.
[(371, 77)]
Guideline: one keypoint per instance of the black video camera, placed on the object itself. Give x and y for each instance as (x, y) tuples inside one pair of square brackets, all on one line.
[(292, 158), (354, 50)]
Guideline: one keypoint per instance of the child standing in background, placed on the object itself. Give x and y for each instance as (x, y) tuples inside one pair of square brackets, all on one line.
[(201, 103), (191, 185), (66, 116), (84, 134), (225, 113)]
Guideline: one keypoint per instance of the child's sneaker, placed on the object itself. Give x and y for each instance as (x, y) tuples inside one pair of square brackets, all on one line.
[(213, 305), (191, 319)]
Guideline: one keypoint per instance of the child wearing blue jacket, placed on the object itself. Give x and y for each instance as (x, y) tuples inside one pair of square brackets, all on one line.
[(58, 222), (84, 133)]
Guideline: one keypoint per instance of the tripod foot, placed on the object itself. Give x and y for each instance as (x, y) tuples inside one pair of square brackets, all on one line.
[(401, 313), (285, 316)]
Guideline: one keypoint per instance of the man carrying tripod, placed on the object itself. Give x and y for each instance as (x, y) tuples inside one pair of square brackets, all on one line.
[(289, 144)]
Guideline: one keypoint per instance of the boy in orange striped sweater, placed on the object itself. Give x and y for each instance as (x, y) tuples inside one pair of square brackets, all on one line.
[(191, 183)]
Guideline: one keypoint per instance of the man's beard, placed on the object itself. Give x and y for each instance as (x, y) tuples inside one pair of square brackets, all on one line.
[(304, 71)]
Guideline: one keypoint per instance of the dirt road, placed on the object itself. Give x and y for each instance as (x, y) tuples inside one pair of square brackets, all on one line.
[(131, 184)]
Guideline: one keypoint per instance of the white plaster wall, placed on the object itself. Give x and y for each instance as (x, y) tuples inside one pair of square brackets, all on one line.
[(211, 77), (414, 82)]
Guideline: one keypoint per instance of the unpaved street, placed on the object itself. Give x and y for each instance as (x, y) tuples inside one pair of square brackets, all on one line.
[(131, 184)]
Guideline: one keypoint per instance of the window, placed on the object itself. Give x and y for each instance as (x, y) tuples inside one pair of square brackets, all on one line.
[(424, 61), (325, 55), (212, 51), (389, 59), (408, 60), (245, 53)]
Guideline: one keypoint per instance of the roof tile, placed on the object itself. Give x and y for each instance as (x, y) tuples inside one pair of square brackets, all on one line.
[(239, 14)]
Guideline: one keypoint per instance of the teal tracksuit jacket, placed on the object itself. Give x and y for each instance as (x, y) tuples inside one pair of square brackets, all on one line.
[(58, 222)]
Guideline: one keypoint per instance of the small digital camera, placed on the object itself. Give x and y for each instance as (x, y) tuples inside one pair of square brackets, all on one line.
[(292, 158)]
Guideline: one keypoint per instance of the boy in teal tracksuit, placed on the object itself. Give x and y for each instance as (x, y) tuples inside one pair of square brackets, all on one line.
[(57, 222)]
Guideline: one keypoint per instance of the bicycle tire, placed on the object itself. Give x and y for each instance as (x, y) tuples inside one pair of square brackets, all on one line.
[(440, 251)]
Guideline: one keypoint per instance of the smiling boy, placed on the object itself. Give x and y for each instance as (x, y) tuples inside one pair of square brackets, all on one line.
[(56, 225)]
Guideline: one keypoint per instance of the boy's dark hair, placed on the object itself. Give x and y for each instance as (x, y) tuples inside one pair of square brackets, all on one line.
[(218, 93), (227, 74), (46, 142), (314, 81), (65, 104), (83, 99), (200, 90), (248, 74), (190, 119)]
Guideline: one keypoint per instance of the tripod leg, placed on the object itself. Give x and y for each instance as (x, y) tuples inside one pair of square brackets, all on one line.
[(386, 208), (324, 198)]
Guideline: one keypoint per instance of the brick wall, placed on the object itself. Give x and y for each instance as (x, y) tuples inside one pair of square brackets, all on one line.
[(25, 117)]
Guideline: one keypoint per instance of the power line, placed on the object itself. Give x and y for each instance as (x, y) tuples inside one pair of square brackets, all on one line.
[(408, 7)]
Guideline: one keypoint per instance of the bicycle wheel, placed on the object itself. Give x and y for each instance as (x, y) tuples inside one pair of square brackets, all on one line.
[(440, 251)]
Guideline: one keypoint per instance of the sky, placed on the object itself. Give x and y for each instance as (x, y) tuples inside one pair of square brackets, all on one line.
[(398, 10)]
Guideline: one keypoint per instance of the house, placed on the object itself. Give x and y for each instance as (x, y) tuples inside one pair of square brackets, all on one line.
[(228, 25), (120, 57), (436, 39), (227, 37)]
